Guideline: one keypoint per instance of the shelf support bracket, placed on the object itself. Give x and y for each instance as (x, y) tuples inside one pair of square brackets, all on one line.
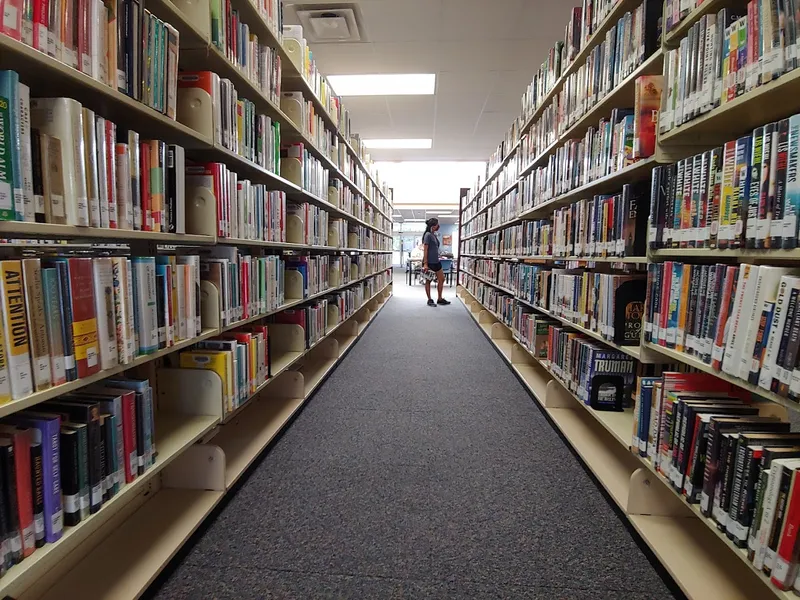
[(648, 496)]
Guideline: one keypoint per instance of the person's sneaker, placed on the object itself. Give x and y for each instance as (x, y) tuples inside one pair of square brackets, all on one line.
[(431, 303), (442, 301)]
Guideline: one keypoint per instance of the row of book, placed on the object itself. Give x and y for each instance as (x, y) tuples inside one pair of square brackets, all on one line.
[(206, 101), (608, 225), (712, 446), (628, 45), (241, 359), (121, 44), (67, 165), (314, 270), (743, 194), (742, 320), (260, 63), (507, 176), (68, 318), (65, 459), (583, 23), (616, 143), (725, 55), (315, 79), (247, 285)]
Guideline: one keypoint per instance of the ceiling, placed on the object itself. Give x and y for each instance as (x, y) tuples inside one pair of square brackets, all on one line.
[(404, 214), (483, 52)]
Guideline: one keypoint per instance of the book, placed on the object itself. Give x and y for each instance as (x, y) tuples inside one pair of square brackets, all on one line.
[(17, 343), (37, 323)]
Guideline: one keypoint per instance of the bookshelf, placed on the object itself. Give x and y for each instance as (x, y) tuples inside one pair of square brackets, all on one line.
[(205, 439), (697, 552)]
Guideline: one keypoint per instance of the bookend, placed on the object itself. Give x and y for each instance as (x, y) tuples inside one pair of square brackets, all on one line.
[(500, 332), (348, 329), (770, 409), (333, 235), (285, 337), (197, 12), (520, 356), (485, 317), (294, 229), (373, 306), (293, 285), (201, 211), (475, 307), (649, 496), (288, 386), (210, 309), (190, 392), (200, 467), (556, 396), (332, 316)]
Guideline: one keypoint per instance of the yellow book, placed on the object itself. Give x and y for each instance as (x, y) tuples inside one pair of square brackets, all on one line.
[(15, 325), (217, 361)]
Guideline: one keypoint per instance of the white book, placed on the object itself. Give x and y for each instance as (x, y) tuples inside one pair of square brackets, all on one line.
[(26, 162), (745, 292), (119, 277), (62, 118), (766, 287), (194, 293), (104, 310), (133, 336), (102, 169), (123, 186), (90, 156), (145, 303), (786, 287), (769, 506), (181, 329)]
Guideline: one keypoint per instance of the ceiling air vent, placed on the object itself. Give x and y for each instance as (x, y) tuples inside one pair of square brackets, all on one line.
[(330, 24)]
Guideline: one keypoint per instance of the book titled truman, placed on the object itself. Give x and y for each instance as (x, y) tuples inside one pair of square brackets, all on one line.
[(609, 377)]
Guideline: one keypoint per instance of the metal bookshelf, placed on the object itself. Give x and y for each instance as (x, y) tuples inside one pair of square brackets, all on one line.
[(202, 449)]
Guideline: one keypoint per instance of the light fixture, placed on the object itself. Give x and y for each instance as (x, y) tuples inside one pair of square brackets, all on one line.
[(415, 220), (447, 215), (419, 84), (420, 144)]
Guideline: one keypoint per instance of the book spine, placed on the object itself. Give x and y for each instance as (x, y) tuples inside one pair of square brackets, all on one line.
[(37, 323), (14, 315), (792, 187), (84, 317)]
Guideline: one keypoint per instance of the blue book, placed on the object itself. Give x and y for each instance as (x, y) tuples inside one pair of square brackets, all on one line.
[(11, 207), (645, 403)]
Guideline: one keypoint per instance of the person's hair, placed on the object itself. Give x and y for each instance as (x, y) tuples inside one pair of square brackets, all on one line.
[(430, 224)]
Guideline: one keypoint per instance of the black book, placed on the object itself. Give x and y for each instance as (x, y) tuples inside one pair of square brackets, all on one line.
[(37, 493), (9, 491), (6, 561), (653, 10), (739, 478), (84, 491), (70, 480), (38, 184), (780, 515), (793, 307), (756, 156), (634, 219), (628, 310), (655, 220), (776, 231), (717, 428), (76, 409)]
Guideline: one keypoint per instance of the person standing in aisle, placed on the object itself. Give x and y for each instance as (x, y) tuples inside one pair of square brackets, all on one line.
[(430, 260)]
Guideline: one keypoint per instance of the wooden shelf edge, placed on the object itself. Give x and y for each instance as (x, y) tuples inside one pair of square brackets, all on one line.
[(129, 559)]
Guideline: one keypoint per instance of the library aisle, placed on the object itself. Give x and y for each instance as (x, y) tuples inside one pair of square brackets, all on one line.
[(421, 469)]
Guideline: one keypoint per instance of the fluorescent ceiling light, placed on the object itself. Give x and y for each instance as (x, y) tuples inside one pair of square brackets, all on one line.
[(420, 144), (445, 216), (421, 84), (415, 220)]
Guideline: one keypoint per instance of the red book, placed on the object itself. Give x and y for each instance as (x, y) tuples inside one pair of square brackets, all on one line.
[(785, 569), (646, 105), (726, 301), (144, 176), (666, 288), (84, 320), (128, 431), (11, 23), (40, 21), (21, 441)]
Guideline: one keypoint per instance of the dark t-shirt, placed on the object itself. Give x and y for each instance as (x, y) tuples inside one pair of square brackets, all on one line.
[(433, 247)]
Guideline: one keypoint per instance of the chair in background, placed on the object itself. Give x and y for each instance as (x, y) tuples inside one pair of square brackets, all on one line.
[(447, 269)]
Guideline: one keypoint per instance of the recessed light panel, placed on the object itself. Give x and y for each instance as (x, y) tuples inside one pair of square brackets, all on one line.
[(399, 143), (413, 84)]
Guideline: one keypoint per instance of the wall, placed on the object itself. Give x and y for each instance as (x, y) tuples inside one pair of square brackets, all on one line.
[(405, 242)]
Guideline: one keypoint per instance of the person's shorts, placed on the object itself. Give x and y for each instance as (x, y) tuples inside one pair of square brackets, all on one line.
[(435, 267)]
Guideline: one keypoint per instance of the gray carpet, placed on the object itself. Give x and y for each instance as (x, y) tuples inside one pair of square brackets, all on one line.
[(421, 469)]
